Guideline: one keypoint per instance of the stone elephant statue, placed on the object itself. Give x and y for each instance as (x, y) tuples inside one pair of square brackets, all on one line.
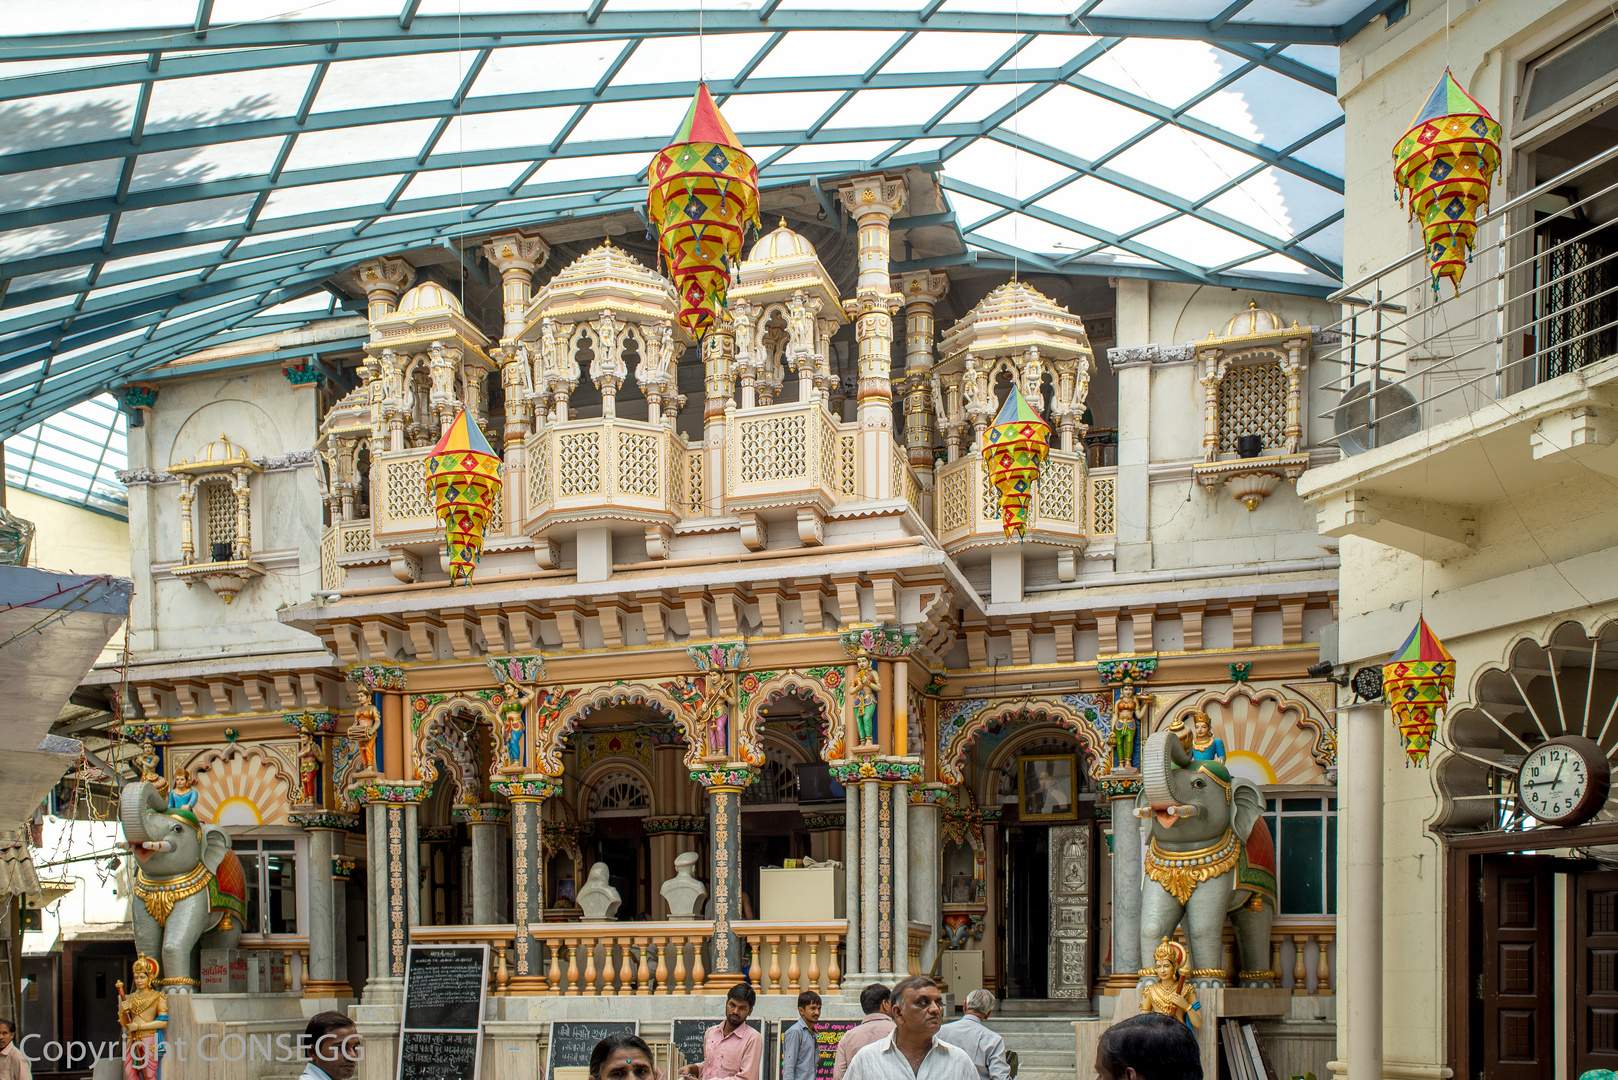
[(1207, 856), (188, 884)]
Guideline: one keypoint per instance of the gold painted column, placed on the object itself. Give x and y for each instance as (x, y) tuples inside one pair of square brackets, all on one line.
[(873, 201)]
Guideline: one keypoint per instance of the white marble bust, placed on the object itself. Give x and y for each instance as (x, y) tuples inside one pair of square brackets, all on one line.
[(598, 899), (683, 891)]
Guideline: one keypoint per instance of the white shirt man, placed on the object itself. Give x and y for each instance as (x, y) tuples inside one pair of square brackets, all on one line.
[(914, 1051)]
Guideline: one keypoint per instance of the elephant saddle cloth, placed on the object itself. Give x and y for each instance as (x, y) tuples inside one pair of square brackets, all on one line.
[(1255, 869), (227, 891)]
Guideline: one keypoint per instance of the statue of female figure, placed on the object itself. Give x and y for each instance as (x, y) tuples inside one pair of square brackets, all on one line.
[(182, 796), (514, 723), (1123, 728), (366, 723), (1205, 746), (715, 713), (142, 1015), (148, 762), (1170, 995), (865, 686), (309, 762)]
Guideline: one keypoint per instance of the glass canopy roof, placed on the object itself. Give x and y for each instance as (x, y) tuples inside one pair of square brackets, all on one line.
[(181, 173)]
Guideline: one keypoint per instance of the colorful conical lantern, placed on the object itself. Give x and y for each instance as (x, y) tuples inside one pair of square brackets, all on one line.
[(1446, 161), (702, 192), (463, 475), (1014, 448), (1417, 681)]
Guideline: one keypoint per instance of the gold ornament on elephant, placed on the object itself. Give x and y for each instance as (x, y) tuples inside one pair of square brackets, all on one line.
[(1180, 872), (160, 896)]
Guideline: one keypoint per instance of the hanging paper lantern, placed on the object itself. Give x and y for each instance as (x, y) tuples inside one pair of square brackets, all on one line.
[(1417, 681), (702, 191), (1446, 161), (1013, 450), (463, 475)]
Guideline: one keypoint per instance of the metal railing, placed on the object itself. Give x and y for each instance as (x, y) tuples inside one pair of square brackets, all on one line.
[(1539, 299)]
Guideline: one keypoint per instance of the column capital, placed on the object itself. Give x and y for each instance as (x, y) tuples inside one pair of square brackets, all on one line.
[(516, 250), (375, 677), (730, 776), (385, 274), (884, 640), (382, 792), (530, 787), (875, 194), (921, 286), (1120, 784), (481, 814), (887, 770), (324, 819)]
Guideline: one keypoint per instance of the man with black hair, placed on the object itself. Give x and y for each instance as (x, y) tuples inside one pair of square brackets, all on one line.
[(730, 1050), (914, 1051), (14, 1064), (333, 1046), (878, 1024), (1148, 1046), (800, 1052)]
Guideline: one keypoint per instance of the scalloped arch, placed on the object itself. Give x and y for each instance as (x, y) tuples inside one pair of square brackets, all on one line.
[(242, 782), (962, 727), (440, 742), (791, 683), (1260, 742), (579, 703)]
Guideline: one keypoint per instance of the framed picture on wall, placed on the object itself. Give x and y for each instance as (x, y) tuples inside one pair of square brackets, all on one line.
[(1046, 788)]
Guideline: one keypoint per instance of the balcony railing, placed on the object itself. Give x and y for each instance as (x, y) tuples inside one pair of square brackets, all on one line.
[(403, 510), (577, 468), (1540, 299), (785, 455), (340, 539), (620, 959), (967, 505)]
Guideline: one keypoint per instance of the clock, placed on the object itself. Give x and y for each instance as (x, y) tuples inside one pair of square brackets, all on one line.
[(1564, 781)]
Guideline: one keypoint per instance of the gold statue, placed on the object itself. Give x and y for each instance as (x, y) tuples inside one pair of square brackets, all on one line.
[(147, 760), (142, 1015), (363, 732), (1170, 995)]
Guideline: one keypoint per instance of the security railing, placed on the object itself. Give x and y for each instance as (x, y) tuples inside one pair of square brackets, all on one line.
[(1539, 300)]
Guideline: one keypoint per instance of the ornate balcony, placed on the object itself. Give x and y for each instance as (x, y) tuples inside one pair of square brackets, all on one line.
[(616, 472), (787, 461), (968, 505)]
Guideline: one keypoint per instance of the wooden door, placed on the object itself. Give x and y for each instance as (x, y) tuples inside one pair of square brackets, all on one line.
[(1514, 987), (1593, 949)]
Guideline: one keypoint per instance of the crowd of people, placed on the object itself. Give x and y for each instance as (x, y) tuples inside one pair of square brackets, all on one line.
[(902, 1036)]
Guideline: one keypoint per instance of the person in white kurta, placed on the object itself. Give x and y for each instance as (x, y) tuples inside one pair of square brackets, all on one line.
[(914, 1050)]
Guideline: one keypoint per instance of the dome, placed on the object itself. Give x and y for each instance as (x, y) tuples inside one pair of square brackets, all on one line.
[(429, 296), (781, 243), (220, 453), (1255, 320)]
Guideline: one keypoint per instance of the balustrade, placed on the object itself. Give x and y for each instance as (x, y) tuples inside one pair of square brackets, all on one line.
[(784, 455), (344, 538), (967, 504), (403, 510), (1301, 954), (294, 953), (578, 467)]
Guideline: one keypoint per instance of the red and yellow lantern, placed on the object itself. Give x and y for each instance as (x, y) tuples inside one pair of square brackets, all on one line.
[(463, 476), (702, 192), (1014, 449), (1417, 681), (1446, 162)]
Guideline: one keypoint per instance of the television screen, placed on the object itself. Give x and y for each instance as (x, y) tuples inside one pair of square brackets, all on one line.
[(815, 784)]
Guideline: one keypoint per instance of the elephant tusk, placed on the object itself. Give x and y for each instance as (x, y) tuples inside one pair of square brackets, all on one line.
[(1186, 811), (149, 845)]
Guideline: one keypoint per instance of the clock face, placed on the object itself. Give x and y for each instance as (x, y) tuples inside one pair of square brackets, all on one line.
[(1560, 783)]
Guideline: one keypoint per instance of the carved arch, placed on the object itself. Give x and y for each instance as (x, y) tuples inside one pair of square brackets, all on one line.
[(668, 698), (824, 686), (438, 741), (1269, 737), (963, 721), (242, 774), (1030, 736), (605, 769)]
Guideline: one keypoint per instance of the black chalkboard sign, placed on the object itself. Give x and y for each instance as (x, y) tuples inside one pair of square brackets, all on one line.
[(688, 1036), (439, 1055), (444, 987), (572, 1041), (828, 1033), (441, 1036)]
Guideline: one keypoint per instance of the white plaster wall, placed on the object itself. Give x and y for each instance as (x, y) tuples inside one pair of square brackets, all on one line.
[(267, 417)]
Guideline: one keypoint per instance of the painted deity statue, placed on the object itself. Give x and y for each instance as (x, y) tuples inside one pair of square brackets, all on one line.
[(183, 796), (1170, 995), (514, 723), (363, 732), (1199, 741), (1123, 728), (864, 688), (309, 762), (148, 762), (142, 1015), (715, 713)]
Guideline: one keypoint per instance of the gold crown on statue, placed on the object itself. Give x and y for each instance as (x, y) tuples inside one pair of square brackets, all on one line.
[(1172, 951), (145, 965)]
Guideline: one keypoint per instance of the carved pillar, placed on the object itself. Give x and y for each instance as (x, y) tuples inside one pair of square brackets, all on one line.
[(1212, 370), (392, 866), (486, 830), (1121, 788), (242, 548), (897, 878), (527, 795), (921, 291), (383, 280), (516, 255), (724, 785), (854, 887), (873, 201), (328, 944), (1294, 371), (872, 833), (188, 500), (718, 356), (923, 854)]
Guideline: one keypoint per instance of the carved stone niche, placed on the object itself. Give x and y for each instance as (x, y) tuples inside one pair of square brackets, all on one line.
[(219, 477)]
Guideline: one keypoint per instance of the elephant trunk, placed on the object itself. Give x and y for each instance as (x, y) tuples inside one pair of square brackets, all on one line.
[(137, 799), (1162, 752)]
